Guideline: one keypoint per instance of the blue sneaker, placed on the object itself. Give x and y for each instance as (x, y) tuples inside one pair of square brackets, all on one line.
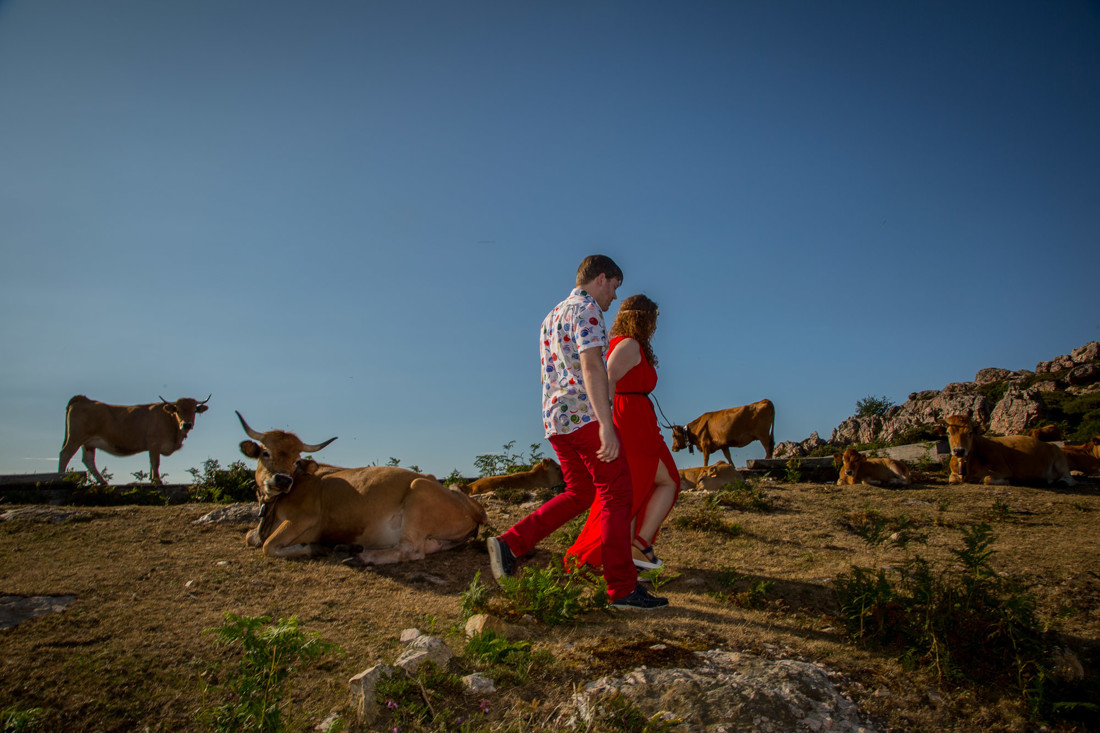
[(501, 560), (641, 600)]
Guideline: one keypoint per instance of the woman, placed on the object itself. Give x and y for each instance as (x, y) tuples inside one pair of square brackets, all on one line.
[(632, 375)]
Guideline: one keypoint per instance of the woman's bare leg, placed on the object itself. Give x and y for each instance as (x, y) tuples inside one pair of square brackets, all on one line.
[(660, 503)]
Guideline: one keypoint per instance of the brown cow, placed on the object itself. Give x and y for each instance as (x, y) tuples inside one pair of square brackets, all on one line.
[(977, 459), (735, 427), (545, 474), (689, 476), (1046, 433), (124, 430), (1083, 457), (714, 478), (856, 468), (395, 514)]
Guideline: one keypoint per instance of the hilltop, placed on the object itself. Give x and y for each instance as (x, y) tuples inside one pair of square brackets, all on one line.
[(1064, 391)]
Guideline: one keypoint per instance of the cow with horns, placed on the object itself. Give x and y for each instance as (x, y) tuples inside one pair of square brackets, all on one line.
[(124, 430)]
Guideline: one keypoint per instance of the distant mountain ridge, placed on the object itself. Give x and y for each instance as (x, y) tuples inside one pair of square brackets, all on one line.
[(1064, 391)]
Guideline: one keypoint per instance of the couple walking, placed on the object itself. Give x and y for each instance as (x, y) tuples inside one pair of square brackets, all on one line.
[(613, 458)]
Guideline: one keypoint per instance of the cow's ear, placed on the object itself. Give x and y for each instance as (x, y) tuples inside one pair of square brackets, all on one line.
[(169, 407), (940, 430), (307, 466), (202, 408), (838, 458), (251, 449)]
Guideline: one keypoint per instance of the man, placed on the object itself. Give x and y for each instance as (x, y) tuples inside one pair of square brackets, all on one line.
[(576, 411)]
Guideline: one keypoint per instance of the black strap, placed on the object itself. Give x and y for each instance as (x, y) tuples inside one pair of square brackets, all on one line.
[(668, 425)]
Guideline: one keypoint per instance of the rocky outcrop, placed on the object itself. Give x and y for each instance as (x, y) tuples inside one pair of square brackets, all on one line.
[(719, 691), (728, 691), (1005, 402)]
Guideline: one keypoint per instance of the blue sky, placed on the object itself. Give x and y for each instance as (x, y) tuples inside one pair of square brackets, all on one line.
[(349, 218)]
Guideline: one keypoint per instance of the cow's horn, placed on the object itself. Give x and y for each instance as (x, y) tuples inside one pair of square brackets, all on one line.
[(207, 399), (251, 433), (164, 400), (315, 448)]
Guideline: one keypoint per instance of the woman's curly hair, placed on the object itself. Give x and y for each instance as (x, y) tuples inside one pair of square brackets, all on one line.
[(637, 318)]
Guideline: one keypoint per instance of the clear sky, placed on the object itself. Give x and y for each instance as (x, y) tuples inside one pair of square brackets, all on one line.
[(349, 217)]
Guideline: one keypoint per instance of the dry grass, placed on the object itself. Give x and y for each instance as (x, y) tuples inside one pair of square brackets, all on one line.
[(130, 653)]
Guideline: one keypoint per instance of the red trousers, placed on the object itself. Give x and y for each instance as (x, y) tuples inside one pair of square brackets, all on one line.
[(585, 477)]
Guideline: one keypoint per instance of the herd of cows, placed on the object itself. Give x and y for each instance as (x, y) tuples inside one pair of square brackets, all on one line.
[(394, 514)]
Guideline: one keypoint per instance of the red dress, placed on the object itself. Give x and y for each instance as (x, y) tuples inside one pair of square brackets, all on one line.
[(643, 446)]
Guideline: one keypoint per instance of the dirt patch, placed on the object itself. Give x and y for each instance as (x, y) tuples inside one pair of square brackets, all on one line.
[(132, 651)]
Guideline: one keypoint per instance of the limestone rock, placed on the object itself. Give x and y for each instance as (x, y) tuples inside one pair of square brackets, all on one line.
[(362, 688), (424, 649), (54, 515), (1017, 411), (243, 513), (1088, 353), (988, 376), (482, 622), (1084, 374), (478, 684), (14, 610), (731, 692)]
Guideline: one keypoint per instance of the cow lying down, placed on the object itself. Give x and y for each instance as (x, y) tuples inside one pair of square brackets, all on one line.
[(1002, 460), (394, 514), (545, 475), (1084, 457), (856, 468)]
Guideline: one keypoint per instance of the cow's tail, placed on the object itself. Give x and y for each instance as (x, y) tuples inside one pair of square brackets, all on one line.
[(68, 409)]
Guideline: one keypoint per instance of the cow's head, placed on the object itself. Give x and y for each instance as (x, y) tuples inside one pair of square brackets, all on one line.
[(681, 439), (184, 410), (279, 460), (961, 431), (553, 471), (849, 462)]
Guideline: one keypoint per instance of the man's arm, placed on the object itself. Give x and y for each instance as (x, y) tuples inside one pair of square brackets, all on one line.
[(595, 384)]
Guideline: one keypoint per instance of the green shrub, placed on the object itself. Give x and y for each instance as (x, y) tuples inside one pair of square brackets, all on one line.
[(966, 622), (1077, 415), (552, 595), (617, 713), (14, 720), (475, 599), (659, 576), (876, 528), (254, 689), (237, 482), (871, 406), (742, 495), (708, 518), (504, 660), (497, 464), (432, 699), (741, 590)]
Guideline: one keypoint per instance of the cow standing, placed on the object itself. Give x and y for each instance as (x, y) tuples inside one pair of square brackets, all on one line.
[(395, 514), (123, 430), (735, 427)]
